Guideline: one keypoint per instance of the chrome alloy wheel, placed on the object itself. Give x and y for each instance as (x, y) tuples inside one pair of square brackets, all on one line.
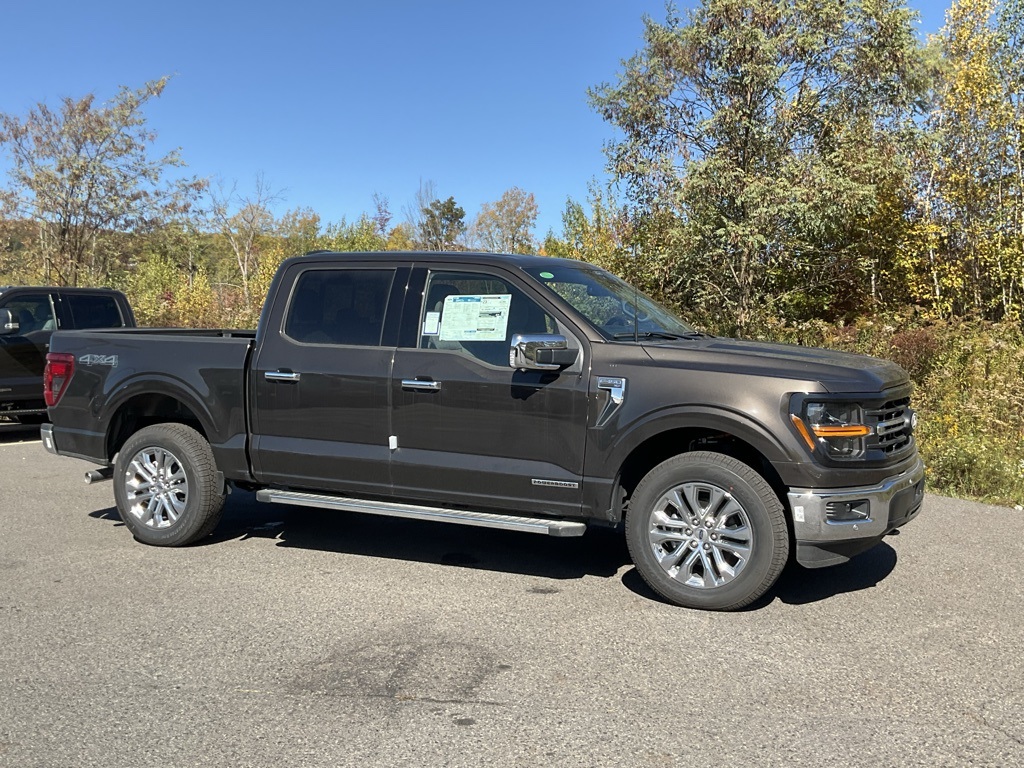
[(156, 487), (701, 535)]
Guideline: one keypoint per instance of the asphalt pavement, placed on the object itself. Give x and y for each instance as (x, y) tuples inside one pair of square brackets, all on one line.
[(299, 637)]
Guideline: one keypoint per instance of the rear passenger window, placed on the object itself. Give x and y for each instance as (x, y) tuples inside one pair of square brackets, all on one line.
[(339, 306), (93, 310)]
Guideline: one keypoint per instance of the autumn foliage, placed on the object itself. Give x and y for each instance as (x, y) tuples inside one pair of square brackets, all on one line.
[(798, 170)]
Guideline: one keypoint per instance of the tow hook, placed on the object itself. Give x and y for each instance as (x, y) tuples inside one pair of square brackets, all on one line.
[(98, 475)]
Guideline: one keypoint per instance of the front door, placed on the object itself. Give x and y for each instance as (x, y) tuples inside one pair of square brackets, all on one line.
[(469, 429), (320, 381)]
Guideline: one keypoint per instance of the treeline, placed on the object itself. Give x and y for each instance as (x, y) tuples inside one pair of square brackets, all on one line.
[(775, 160), (804, 160), (805, 170)]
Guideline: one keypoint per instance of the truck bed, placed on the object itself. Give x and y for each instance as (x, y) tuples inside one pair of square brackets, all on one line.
[(204, 369)]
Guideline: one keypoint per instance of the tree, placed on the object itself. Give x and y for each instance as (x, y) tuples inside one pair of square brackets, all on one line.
[(83, 172), (442, 225), (426, 193), (382, 214), (972, 185), (506, 226), (362, 235), (245, 222), (1011, 71), (758, 131)]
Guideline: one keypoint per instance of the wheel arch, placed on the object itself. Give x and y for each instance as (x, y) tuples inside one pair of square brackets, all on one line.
[(695, 429), (137, 408)]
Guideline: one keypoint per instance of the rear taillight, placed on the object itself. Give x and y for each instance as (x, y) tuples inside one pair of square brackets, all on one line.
[(57, 375)]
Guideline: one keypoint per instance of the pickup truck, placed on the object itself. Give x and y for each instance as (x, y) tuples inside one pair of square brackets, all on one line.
[(526, 393), (28, 317)]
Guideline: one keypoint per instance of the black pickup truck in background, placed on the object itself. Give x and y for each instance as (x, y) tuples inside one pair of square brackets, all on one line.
[(28, 318), (518, 392)]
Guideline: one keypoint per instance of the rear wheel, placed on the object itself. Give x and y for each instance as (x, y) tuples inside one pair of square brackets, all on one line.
[(706, 531), (167, 487)]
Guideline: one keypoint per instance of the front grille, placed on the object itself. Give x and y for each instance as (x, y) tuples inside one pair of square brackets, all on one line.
[(893, 430)]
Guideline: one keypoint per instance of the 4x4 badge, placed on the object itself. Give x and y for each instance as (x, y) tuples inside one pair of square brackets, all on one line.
[(110, 360)]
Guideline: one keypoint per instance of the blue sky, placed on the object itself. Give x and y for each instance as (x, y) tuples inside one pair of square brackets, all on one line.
[(333, 102)]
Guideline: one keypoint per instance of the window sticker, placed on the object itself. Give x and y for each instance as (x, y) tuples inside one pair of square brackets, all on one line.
[(547, 275), (431, 323), (475, 318)]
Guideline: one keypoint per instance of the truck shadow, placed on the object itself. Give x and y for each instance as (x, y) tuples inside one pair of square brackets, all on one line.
[(798, 585), (601, 552), (598, 553)]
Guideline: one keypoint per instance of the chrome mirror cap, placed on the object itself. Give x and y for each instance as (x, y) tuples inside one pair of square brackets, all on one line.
[(540, 352)]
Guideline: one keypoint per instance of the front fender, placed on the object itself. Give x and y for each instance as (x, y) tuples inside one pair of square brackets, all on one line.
[(606, 459), (714, 418)]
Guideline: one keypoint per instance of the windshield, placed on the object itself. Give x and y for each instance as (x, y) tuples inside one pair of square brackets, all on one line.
[(612, 305)]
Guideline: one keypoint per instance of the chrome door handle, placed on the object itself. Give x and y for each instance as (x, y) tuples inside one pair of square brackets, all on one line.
[(282, 376), (422, 386)]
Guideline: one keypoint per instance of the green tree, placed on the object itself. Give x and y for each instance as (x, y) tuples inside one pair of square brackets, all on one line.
[(442, 225), (506, 226), (82, 173), (755, 138)]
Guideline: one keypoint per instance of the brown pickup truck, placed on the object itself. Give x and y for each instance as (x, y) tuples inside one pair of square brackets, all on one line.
[(519, 392)]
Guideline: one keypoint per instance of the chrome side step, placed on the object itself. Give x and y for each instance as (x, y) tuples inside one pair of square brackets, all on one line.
[(416, 512)]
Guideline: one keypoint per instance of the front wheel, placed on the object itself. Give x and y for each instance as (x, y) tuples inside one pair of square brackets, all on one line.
[(706, 531), (167, 487)]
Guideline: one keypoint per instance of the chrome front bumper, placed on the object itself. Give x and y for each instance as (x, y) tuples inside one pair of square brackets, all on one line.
[(890, 504)]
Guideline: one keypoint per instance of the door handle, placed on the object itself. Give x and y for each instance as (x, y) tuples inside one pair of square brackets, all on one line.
[(282, 376), (422, 386)]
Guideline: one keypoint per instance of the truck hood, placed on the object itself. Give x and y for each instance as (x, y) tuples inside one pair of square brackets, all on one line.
[(835, 371)]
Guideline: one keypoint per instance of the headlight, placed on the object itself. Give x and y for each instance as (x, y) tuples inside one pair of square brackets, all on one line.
[(835, 428)]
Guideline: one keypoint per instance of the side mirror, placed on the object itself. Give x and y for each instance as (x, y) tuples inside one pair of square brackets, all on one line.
[(8, 322), (540, 352)]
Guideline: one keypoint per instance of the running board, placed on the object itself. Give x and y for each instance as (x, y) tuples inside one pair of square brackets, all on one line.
[(416, 512)]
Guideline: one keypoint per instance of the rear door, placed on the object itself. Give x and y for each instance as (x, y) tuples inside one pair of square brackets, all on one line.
[(320, 379), (469, 429), (23, 354)]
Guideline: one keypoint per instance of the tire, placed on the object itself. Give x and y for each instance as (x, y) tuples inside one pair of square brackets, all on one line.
[(706, 531), (189, 499)]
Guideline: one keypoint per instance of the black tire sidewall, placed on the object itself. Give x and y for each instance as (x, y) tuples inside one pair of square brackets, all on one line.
[(184, 446), (770, 544)]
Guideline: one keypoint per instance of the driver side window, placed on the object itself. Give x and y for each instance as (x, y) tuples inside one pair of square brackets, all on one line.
[(476, 314)]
